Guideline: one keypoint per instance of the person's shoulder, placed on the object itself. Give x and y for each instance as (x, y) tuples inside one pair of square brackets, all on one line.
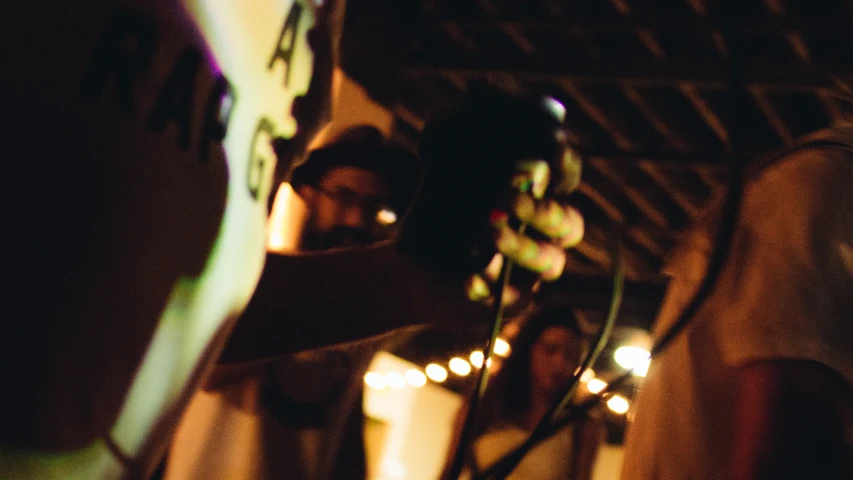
[(826, 151), (810, 175)]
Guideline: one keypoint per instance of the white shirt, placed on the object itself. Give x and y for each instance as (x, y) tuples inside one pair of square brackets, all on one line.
[(786, 293)]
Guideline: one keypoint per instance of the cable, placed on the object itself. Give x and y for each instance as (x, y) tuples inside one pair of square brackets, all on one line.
[(458, 462), (508, 463)]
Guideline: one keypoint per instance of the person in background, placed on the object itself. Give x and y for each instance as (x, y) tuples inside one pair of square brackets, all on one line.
[(357, 190), (546, 352), (308, 406)]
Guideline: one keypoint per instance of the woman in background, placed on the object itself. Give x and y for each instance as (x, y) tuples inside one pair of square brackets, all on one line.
[(546, 352)]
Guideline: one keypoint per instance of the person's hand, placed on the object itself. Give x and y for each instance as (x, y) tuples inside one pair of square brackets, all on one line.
[(498, 171), (549, 227)]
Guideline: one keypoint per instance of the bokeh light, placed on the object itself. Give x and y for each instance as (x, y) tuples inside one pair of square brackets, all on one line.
[(436, 372), (459, 366)]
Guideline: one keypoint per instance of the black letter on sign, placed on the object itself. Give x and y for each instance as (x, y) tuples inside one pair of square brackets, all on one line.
[(257, 162), (216, 116), (125, 50), (175, 100), (287, 41)]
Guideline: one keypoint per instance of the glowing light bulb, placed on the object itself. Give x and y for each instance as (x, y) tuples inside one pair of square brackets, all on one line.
[(395, 380), (596, 385), (618, 404), (643, 369), (459, 366), (386, 216), (374, 380), (633, 357), (286, 220), (501, 348), (587, 375), (436, 372), (476, 358), (416, 378)]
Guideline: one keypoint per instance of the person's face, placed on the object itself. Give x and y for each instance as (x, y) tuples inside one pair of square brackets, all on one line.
[(554, 358), (343, 209)]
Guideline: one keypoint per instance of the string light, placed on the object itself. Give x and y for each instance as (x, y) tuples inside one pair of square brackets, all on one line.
[(618, 404), (502, 348), (476, 358), (596, 385), (416, 378), (436, 372), (395, 380), (374, 380), (633, 357), (459, 366)]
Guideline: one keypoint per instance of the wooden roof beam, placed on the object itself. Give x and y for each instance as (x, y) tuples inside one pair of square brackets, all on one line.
[(698, 6), (706, 112), (771, 114), (650, 114), (521, 42), (830, 104), (595, 253), (795, 39), (639, 234), (645, 35), (649, 209), (579, 264), (598, 116), (672, 74), (613, 212), (659, 177), (595, 243), (406, 115), (511, 31), (456, 34), (661, 22), (707, 177)]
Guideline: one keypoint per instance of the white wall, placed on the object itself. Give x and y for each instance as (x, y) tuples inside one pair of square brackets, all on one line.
[(411, 427)]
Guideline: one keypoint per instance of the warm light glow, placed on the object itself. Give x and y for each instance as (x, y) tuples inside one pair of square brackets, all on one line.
[(374, 380), (394, 469), (416, 378), (459, 366), (501, 348), (286, 220), (618, 404), (633, 357), (476, 358), (643, 369), (386, 216), (587, 375), (595, 385), (395, 380), (436, 372)]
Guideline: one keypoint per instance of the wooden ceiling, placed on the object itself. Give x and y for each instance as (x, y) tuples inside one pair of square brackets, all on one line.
[(645, 85)]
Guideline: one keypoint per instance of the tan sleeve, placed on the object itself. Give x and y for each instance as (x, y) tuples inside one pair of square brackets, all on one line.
[(787, 290)]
